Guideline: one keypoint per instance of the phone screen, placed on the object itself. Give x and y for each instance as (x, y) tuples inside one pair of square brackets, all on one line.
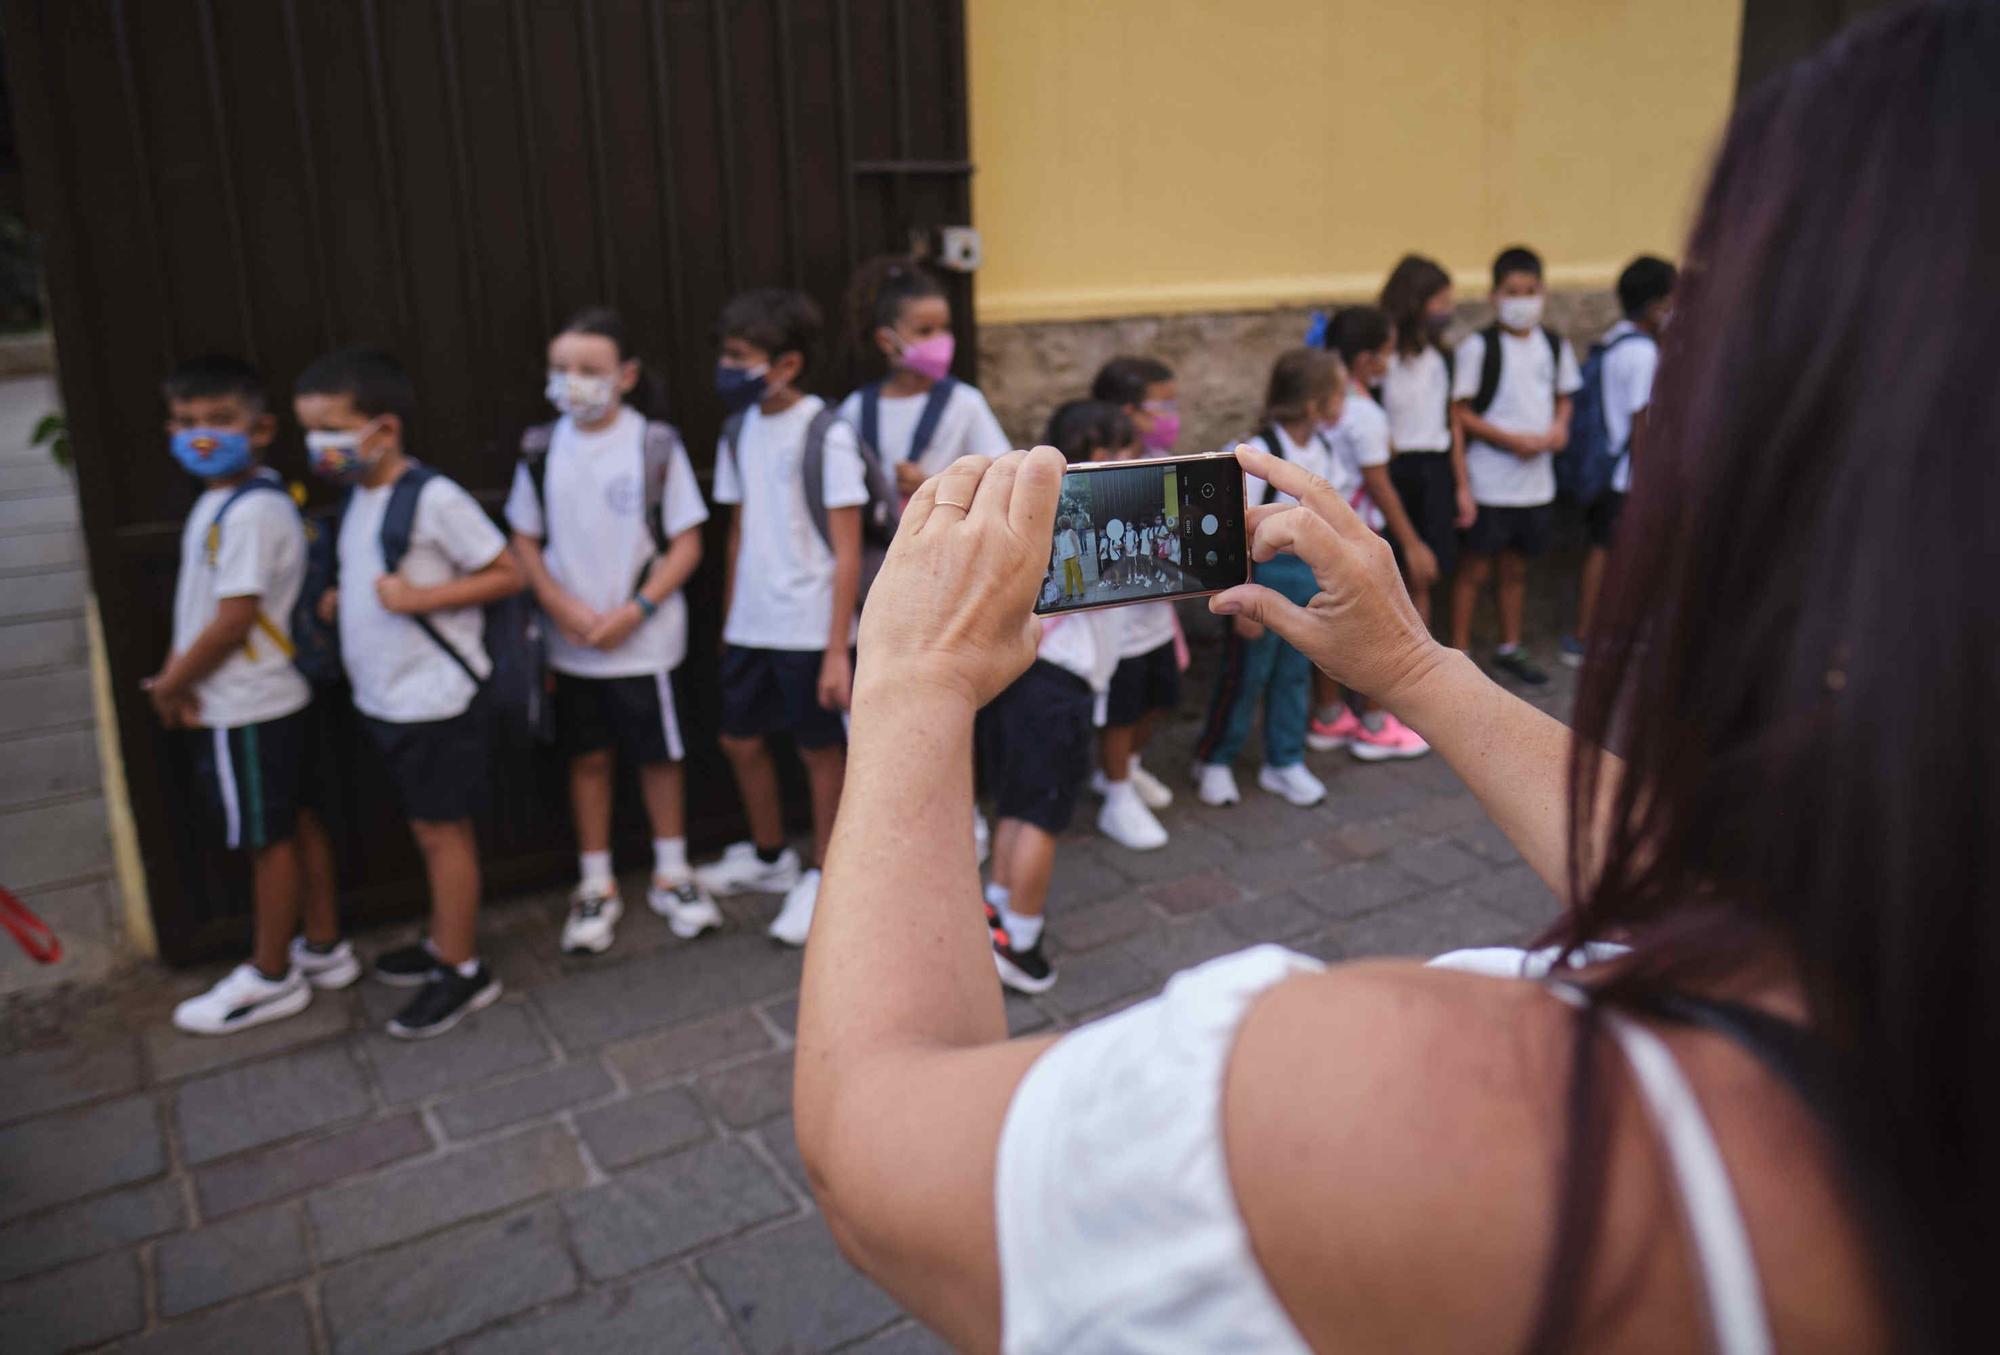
[(1132, 531)]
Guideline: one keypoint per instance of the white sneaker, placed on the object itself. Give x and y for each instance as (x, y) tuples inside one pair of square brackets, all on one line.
[(741, 871), (1127, 822), (594, 911), (1151, 789), (335, 969), (244, 998), (1294, 783), (982, 838), (1215, 784), (689, 912), (795, 919)]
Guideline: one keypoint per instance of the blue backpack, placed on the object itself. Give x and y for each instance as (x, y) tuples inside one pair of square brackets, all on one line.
[(311, 644), (1584, 468)]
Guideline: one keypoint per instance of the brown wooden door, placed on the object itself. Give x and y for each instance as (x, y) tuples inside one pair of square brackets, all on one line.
[(448, 178)]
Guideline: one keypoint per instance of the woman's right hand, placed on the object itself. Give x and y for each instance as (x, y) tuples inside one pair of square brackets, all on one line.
[(1360, 629)]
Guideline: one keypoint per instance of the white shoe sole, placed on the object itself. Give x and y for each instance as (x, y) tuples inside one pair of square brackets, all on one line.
[(613, 913), (1328, 743), (1287, 796), (481, 1000), (276, 1010), (669, 908), (1012, 976), (724, 889), (1368, 752), (1131, 846), (333, 977)]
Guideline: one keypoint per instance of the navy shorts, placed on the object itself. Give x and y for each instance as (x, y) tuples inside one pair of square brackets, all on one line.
[(250, 778), (1034, 742), (776, 691), (1143, 684), (1523, 531), (633, 716), (437, 766), (1429, 492), (1600, 519)]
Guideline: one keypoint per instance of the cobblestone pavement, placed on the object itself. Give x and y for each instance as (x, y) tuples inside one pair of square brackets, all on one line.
[(604, 1160)]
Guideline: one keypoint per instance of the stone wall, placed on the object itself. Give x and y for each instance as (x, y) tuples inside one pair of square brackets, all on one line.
[(1221, 360)]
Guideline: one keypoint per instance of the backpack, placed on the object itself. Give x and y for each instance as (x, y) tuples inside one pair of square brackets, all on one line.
[(879, 516), (520, 681), (1268, 435), (662, 440), (311, 644), (927, 422), (1584, 468), (1489, 364)]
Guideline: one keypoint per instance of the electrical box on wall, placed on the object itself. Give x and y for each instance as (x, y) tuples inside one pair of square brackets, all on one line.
[(958, 248)]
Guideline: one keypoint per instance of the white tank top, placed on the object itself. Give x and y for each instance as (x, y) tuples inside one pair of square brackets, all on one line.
[(1118, 1227)]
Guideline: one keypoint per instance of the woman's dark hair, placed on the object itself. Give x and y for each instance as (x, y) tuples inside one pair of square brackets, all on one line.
[(1516, 259), (1644, 281), (1411, 285), (1798, 649), (1300, 379), (1124, 381), (1357, 330), (649, 396), (880, 289), (1082, 428)]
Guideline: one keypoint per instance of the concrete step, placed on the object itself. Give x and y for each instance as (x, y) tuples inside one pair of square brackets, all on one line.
[(34, 551), (57, 592), (26, 645)]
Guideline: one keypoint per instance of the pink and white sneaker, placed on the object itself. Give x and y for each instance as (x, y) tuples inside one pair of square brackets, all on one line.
[(1323, 737), (1392, 741)]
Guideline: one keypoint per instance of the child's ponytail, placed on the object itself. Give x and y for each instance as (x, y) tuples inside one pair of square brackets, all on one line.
[(1300, 379), (875, 299)]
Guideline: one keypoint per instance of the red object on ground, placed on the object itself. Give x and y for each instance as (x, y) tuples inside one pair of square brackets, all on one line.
[(31, 932)]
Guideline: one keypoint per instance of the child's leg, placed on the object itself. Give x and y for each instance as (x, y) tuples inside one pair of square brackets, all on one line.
[(1031, 863), (1465, 588), (1326, 696), (826, 769), (317, 900), (1246, 671), (274, 883), (590, 781), (1513, 596), (1286, 704), (451, 862), (1115, 747), (1002, 857), (1588, 588), (663, 785), (757, 783), (1142, 733)]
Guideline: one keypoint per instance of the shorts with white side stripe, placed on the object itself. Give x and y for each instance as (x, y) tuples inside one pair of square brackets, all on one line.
[(249, 778), (634, 716)]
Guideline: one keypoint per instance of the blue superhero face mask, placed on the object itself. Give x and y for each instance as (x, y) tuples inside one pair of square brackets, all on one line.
[(212, 453), (739, 387)]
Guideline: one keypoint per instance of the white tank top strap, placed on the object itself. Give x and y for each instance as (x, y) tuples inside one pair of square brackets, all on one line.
[(1118, 1227)]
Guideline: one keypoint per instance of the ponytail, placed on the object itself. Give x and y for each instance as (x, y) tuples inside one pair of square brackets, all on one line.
[(876, 296)]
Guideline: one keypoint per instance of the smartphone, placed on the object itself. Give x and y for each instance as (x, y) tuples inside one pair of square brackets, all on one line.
[(1137, 531)]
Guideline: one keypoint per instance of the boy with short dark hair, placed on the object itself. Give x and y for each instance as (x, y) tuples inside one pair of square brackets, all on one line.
[(1511, 389), (1630, 355), (791, 593), (230, 681), (412, 640)]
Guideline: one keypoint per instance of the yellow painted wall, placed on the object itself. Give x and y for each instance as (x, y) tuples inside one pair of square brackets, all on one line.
[(1152, 156)]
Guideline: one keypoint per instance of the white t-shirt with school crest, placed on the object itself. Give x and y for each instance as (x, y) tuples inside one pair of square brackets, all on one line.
[(782, 595), (399, 674), (1524, 402), (966, 427), (259, 551), (595, 538)]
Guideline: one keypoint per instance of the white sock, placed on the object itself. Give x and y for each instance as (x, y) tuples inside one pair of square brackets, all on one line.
[(595, 867), (1021, 929), (469, 968), (670, 858), (1117, 791), (999, 895), (1505, 649)]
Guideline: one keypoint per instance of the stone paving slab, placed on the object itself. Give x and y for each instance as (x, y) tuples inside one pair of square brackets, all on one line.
[(75, 1153), (226, 1260), (641, 1317)]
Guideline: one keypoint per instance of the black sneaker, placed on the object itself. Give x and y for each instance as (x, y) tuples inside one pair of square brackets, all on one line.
[(1025, 971), (1516, 664), (448, 998), (406, 966)]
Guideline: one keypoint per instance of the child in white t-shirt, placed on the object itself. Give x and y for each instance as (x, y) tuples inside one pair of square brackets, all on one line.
[(229, 682), (919, 417), (412, 640), (1428, 446), (1511, 388), (606, 516), (1148, 678), (791, 593)]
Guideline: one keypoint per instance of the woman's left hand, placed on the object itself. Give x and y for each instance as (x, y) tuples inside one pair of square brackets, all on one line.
[(952, 608)]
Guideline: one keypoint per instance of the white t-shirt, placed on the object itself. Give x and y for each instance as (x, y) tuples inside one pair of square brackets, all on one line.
[(966, 427), (260, 552), (782, 596), (399, 673), (598, 541), (1416, 395), (1360, 440), (1067, 546), (1316, 456), (1086, 644), (1628, 388), (1524, 402)]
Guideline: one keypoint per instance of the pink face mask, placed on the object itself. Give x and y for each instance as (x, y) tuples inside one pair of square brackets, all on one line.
[(1164, 433), (930, 358)]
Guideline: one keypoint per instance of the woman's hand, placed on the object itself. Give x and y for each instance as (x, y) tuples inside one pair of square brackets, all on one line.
[(1361, 629), (953, 605)]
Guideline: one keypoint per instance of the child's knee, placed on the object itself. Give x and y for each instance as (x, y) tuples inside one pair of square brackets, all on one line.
[(596, 762), (437, 837), (830, 757), (741, 749)]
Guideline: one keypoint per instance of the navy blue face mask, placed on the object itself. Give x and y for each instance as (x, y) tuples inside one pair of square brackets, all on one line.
[(739, 387)]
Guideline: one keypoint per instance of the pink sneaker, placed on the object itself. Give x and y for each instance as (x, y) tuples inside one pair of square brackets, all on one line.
[(1322, 737), (1393, 740)]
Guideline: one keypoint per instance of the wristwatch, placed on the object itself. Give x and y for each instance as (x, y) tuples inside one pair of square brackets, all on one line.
[(646, 606)]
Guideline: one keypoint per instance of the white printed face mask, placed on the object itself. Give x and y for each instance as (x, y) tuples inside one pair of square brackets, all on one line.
[(585, 398), (1519, 312)]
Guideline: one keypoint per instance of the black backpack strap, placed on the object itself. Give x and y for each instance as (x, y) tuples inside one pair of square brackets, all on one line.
[(1268, 435), (399, 522), (1489, 369), (1791, 1052), (660, 443), (871, 414), (812, 469), (1555, 349), (535, 444), (1450, 379), (927, 422), (260, 479)]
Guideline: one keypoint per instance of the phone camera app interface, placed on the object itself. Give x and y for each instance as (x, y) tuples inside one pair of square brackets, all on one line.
[(1131, 532)]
